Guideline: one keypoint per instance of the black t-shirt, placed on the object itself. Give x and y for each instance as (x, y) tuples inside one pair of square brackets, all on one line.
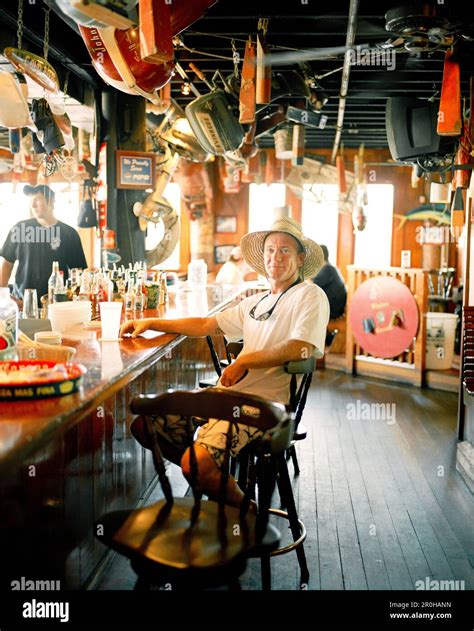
[(329, 279), (36, 247)]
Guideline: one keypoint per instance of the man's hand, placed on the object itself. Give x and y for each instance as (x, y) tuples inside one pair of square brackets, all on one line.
[(233, 373), (134, 327)]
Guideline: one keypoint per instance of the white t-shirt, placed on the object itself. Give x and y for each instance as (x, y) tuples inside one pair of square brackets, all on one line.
[(301, 314)]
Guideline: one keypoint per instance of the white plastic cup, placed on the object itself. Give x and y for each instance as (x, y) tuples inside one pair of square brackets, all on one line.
[(110, 314)]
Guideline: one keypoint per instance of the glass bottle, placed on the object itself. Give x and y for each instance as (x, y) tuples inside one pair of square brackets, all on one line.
[(59, 291), (140, 296), (129, 298), (53, 281), (8, 326)]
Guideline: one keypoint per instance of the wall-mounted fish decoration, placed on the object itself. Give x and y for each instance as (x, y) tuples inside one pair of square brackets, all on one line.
[(37, 68)]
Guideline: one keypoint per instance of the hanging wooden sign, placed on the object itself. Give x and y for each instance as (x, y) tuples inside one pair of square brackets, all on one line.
[(247, 86), (449, 114), (263, 73)]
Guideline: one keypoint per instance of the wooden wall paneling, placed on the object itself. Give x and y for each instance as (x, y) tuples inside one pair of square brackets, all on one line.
[(233, 204), (421, 296)]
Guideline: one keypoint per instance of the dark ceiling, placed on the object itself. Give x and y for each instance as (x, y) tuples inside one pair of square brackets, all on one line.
[(296, 25)]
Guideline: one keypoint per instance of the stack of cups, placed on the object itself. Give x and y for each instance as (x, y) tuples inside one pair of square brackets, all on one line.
[(64, 315), (48, 337)]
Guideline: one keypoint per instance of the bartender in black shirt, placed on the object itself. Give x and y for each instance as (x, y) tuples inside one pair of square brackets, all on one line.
[(331, 281), (35, 243)]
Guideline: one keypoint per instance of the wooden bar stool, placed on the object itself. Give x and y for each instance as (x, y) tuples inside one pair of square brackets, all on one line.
[(192, 542)]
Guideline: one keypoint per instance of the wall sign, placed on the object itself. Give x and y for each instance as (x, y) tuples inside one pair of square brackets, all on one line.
[(135, 169)]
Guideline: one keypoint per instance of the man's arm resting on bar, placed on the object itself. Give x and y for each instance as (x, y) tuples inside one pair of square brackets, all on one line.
[(192, 327), (278, 355)]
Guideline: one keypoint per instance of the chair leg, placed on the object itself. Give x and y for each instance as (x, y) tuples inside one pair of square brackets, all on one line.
[(286, 493), (235, 586), (294, 458), (266, 573), (243, 470), (142, 585)]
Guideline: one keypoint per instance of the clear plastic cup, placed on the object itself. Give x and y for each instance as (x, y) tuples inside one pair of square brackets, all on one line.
[(30, 304), (110, 315)]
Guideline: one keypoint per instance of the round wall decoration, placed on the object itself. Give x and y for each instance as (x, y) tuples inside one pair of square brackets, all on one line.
[(384, 317)]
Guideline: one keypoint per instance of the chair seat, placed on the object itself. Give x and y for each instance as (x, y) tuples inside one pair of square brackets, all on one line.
[(209, 383), (159, 542)]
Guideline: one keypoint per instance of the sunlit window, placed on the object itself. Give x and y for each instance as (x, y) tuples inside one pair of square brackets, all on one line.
[(373, 246), (263, 199), (156, 231), (320, 217), (15, 206)]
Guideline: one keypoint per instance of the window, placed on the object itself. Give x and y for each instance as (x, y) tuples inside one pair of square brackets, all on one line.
[(15, 206), (156, 231), (320, 217), (373, 246), (263, 199)]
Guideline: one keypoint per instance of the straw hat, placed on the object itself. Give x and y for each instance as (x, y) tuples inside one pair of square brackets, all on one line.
[(252, 247)]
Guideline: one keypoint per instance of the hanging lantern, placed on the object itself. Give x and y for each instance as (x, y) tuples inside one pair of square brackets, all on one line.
[(359, 218), (283, 143)]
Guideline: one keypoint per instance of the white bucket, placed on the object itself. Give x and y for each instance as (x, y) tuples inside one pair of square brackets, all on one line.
[(440, 334)]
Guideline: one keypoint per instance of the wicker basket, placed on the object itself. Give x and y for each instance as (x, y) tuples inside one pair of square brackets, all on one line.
[(46, 352)]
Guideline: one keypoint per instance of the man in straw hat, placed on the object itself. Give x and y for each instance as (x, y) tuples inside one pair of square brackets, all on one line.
[(287, 323)]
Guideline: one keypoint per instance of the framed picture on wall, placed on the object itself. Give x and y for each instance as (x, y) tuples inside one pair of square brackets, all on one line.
[(222, 252), (226, 223)]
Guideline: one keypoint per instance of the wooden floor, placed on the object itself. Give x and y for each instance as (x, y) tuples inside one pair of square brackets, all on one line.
[(381, 500)]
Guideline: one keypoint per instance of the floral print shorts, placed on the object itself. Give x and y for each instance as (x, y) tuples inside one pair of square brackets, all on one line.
[(211, 434)]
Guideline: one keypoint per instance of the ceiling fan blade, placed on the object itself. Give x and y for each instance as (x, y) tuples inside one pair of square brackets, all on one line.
[(311, 54)]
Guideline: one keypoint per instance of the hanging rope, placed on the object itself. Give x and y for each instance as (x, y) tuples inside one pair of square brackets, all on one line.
[(235, 58), (263, 25), (46, 33), (19, 30), (66, 82)]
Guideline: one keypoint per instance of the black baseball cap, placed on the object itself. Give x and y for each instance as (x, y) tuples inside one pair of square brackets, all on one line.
[(41, 189)]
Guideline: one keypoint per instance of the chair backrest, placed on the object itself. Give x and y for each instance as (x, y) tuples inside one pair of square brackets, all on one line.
[(275, 419), (214, 356), (298, 395), (227, 405), (305, 367)]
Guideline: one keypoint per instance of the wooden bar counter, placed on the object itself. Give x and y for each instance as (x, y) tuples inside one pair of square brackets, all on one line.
[(65, 461)]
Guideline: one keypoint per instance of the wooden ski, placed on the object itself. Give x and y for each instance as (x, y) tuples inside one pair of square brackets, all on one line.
[(449, 114), (247, 85)]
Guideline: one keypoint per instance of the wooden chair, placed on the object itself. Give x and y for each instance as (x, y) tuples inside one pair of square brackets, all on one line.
[(249, 459), (218, 363), (190, 542)]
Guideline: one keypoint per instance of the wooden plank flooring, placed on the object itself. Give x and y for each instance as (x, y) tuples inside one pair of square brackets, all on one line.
[(382, 503)]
